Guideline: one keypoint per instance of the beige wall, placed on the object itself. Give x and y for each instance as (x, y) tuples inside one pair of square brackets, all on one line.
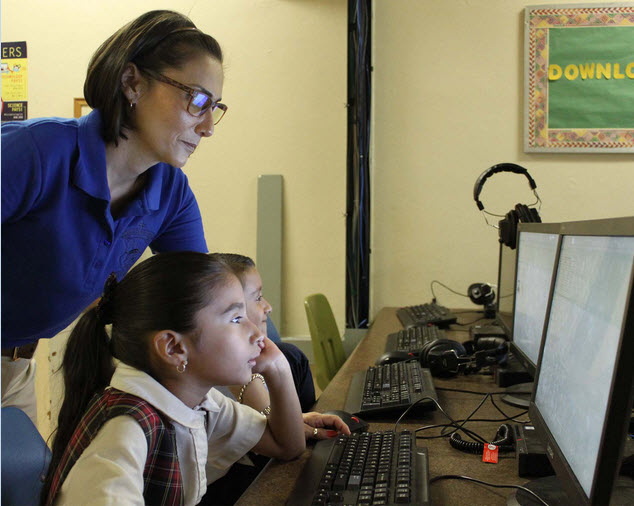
[(448, 104), (285, 84)]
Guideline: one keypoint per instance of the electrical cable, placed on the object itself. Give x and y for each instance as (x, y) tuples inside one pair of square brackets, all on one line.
[(431, 286), (499, 392), (468, 478), (470, 323)]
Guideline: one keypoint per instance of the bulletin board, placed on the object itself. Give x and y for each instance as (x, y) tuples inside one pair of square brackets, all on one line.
[(579, 78)]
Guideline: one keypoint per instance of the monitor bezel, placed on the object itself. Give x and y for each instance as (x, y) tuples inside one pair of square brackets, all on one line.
[(508, 331), (619, 407), (541, 228)]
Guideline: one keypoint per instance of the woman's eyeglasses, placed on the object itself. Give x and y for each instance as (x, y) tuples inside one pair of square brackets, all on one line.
[(199, 101)]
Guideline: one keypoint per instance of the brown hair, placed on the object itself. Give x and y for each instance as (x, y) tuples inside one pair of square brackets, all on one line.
[(144, 42)]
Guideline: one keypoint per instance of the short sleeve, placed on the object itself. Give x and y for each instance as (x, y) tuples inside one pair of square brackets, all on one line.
[(21, 172), (110, 470), (183, 230)]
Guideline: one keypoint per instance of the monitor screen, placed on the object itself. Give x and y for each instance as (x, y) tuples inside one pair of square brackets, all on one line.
[(506, 289), (536, 253), (582, 399)]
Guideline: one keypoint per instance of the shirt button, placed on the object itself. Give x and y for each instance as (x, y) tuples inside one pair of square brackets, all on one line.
[(106, 242)]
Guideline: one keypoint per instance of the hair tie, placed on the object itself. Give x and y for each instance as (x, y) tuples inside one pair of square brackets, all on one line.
[(104, 308)]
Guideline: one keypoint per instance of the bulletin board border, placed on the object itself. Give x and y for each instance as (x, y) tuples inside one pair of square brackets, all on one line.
[(538, 137)]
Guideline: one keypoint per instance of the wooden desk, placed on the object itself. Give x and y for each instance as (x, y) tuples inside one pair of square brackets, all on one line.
[(275, 483)]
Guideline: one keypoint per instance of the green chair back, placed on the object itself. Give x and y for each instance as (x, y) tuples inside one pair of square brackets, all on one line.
[(325, 338)]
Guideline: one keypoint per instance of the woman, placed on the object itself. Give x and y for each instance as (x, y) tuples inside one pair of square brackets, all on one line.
[(82, 198)]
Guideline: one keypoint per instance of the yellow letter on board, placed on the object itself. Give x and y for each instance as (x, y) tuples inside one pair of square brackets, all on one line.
[(617, 74), (587, 71), (604, 70), (629, 70), (554, 72), (571, 72)]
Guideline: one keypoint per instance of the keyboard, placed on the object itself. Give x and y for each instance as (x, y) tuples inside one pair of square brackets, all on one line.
[(424, 314), (413, 339), (365, 468), (390, 388)]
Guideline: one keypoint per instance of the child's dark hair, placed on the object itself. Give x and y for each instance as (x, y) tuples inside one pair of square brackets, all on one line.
[(163, 292), (239, 264), (154, 41)]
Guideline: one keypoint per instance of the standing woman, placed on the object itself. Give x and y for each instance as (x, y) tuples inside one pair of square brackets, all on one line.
[(82, 198)]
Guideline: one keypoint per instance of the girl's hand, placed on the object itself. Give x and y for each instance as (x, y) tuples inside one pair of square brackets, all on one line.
[(270, 357), (327, 426)]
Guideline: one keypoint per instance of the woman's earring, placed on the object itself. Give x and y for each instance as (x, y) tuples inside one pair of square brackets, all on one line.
[(182, 366), (132, 106)]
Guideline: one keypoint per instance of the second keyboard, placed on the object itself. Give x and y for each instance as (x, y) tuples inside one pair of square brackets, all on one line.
[(389, 388)]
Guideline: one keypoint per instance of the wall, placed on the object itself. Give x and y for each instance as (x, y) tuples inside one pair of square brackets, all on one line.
[(285, 84), (448, 104)]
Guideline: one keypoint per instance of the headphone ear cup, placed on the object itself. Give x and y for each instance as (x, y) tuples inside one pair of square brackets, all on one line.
[(523, 213), (431, 356), (508, 229), (535, 218)]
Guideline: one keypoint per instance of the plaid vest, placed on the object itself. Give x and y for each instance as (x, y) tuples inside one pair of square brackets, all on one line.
[(162, 484)]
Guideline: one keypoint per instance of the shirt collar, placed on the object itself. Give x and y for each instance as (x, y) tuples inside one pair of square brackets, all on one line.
[(131, 380), (90, 170)]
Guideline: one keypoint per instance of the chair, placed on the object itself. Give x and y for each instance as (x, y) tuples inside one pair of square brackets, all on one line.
[(325, 337), (25, 459)]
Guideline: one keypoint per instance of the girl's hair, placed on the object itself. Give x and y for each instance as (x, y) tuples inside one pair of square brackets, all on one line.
[(163, 292), (154, 41), (239, 264)]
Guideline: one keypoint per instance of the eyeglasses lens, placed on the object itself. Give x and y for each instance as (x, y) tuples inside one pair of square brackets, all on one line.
[(199, 104), (218, 113)]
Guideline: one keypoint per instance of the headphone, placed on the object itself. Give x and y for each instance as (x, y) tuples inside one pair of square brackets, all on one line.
[(521, 213), (446, 358)]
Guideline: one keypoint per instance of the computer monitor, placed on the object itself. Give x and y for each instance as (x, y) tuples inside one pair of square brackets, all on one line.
[(506, 289), (537, 245), (582, 402)]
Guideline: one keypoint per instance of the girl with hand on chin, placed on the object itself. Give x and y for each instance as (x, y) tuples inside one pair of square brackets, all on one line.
[(255, 393), (142, 431), (82, 198)]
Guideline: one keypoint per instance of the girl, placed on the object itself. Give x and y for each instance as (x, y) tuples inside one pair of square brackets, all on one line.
[(84, 197), (142, 431), (254, 393)]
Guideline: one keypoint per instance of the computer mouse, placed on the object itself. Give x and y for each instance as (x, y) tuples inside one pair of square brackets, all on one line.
[(395, 356), (354, 423)]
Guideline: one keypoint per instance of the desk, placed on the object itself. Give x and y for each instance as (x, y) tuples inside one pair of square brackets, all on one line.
[(274, 485)]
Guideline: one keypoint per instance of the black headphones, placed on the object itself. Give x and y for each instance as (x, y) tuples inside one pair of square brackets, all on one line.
[(446, 358), (521, 212)]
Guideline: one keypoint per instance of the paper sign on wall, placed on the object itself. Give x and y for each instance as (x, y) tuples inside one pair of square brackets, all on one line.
[(579, 78), (14, 81)]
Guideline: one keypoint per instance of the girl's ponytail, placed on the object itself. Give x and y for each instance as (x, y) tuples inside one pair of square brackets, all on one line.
[(87, 369)]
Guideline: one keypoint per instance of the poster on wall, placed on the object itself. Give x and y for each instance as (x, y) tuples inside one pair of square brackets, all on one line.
[(14, 81), (579, 78)]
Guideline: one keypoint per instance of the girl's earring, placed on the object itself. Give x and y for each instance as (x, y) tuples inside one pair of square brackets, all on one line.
[(132, 106), (182, 366)]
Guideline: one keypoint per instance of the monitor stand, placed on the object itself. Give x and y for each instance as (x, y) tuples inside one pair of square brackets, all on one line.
[(550, 491), (518, 395)]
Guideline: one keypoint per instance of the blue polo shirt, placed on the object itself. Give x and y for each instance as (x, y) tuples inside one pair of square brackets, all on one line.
[(59, 240)]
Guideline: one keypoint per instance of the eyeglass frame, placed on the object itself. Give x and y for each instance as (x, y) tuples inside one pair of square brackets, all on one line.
[(190, 91)]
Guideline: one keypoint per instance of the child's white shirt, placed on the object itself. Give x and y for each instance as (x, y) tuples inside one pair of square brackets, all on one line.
[(209, 439)]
